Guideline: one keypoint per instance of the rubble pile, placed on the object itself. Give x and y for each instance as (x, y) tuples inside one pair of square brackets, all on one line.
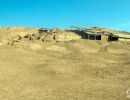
[(44, 35)]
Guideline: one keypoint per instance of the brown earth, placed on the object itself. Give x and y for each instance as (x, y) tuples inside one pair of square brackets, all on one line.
[(74, 70)]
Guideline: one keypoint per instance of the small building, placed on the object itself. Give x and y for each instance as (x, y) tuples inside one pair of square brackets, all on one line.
[(101, 36), (95, 33)]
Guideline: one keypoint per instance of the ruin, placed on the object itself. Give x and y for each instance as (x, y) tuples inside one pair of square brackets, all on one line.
[(95, 33), (62, 35)]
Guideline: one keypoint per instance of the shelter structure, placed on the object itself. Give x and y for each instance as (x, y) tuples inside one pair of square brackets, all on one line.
[(96, 33)]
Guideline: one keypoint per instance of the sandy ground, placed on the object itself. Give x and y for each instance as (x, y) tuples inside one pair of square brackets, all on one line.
[(76, 70)]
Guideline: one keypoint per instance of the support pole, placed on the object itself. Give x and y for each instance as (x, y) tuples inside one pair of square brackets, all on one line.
[(95, 37)]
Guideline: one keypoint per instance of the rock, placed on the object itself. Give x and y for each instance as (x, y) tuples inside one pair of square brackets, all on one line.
[(35, 37), (17, 38), (5, 42), (8, 42), (11, 42), (42, 38), (48, 38)]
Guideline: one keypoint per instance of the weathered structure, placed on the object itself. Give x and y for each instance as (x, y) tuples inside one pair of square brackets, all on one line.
[(102, 37), (58, 35), (61, 35), (95, 33)]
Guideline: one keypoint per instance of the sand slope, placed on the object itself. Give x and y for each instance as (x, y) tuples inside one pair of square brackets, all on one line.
[(77, 70)]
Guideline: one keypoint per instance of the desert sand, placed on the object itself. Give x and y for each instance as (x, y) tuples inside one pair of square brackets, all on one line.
[(72, 70)]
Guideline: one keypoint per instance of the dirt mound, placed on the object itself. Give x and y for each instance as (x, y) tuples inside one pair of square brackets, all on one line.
[(66, 36), (118, 48), (57, 49), (35, 47), (87, 46), (17, 34), (37, 67), (33, 70), (7, 33)]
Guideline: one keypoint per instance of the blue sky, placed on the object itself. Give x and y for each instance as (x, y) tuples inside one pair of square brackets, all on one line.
[(113, 14)]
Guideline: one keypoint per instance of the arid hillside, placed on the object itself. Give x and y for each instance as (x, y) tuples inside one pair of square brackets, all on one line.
[(42, 67)]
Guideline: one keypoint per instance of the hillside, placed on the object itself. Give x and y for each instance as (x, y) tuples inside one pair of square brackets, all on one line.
[(61, 68)]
